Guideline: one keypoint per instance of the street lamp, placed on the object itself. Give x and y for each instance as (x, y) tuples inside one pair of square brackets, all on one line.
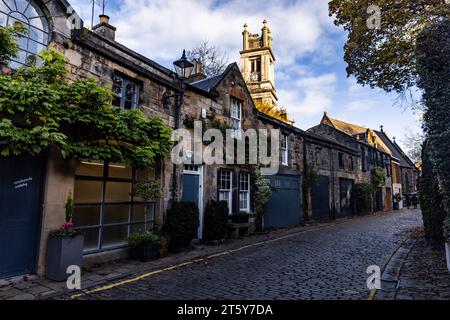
[(183, 67)]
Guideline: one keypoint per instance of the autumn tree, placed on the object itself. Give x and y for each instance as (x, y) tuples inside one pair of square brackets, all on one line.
[(380, 48), (213, 60)]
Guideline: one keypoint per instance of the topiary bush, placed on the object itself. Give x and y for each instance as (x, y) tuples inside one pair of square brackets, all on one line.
[(181, 224), (363, 197), (216, 219)]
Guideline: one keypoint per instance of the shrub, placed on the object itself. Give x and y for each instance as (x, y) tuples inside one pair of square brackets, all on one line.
[(181, 224), (216, 219), (447, 229), (363, 197), (430, 198), (136, 238)]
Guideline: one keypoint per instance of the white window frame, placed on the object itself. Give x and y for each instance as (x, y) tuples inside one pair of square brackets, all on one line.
[(229, 198), (244, 194), (236, 117), (285, 151)]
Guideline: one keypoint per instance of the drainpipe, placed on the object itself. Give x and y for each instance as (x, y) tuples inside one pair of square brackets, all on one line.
[(178, 104), (305, 196)]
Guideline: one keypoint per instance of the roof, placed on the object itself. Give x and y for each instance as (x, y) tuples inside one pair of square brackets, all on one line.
[(209, 84), (346, 127), (397, 152)]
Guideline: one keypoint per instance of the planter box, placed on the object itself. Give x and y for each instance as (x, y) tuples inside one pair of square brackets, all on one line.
[(447, 254), (62, 253), (240, 218), (145, 251)]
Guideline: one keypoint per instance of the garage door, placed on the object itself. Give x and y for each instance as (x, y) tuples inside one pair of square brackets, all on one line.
[(20, 196), (320, 198), (284, 207), (346, 196)]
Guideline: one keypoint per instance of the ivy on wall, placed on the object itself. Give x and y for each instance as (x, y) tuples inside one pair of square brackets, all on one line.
[(39, 109)]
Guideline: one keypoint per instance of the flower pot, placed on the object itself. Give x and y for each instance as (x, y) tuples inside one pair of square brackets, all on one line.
[(447, 254), (240, 218), (145, 251), (62, 253)]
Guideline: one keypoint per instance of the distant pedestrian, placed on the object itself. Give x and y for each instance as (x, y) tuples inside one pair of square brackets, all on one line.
[(415, 201)]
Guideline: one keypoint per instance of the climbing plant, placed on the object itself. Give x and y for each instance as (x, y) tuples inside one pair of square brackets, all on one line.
[(39, 110), (262, 195)]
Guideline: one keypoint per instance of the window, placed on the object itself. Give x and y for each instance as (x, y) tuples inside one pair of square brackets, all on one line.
[(104, 207), (363, 159), (27, 14), (236, 117), (341, 160), (127, 93), (244, 192), (351, 163), (225, 187), (255, 67), (284, 150)]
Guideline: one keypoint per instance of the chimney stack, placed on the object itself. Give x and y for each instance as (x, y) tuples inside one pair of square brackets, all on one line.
[(104, 29), (198, 73)]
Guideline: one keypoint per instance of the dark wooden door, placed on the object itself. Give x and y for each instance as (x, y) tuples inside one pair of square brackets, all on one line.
[(20, 212)]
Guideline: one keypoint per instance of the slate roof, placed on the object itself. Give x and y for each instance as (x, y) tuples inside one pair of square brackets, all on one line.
[(397, 152), (207, 84)]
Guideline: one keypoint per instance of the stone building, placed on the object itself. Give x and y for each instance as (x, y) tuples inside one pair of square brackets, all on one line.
[(371, 151)]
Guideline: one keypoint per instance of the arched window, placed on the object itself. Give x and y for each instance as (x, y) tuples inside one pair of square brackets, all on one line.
[(30, 16)]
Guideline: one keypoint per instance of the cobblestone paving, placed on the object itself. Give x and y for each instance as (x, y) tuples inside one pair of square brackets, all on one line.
[(325, 263), (424, 275)]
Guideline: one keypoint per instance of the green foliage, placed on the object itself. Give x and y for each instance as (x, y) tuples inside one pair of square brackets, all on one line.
[(69, 208), (430, 198), (216, 219), (384, 57), (433, 65), (181, 224), (447, 228), (39, 109), (363, 197), (378, 177), (65, 233), (8, 44), (136, 238), (188, 122), (311, 178), (262, 196), (149, 191)]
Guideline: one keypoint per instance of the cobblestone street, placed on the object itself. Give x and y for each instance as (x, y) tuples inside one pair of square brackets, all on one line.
[(322, 263)]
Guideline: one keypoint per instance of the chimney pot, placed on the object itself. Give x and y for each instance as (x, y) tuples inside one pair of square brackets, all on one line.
[(104, 18)]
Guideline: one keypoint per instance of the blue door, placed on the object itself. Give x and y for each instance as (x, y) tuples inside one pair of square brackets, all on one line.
[(284, 206), (191, 193), (191, 184), (20, 209)]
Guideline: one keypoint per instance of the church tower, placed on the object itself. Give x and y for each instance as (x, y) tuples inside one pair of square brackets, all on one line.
[(257, 67)]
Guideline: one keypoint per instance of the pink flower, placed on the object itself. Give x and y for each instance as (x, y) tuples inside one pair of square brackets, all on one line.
[(68, 225)]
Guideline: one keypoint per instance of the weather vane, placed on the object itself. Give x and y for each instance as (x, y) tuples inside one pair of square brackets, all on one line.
[(102, 4)]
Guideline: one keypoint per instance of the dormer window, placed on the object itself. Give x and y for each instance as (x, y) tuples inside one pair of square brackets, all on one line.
[(25, 14)]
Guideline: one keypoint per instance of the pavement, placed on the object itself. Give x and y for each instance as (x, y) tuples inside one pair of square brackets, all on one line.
[(417, 271), (324, 261)]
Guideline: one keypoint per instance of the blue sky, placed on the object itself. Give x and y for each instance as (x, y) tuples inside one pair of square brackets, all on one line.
[(309, 72)]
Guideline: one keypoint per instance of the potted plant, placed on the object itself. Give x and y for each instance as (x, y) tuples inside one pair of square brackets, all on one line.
[(447, 240), (64, 248), (241, 217), (144, 246)]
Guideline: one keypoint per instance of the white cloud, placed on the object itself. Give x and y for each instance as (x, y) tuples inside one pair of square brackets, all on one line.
[(160, 29), (309, 96)]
